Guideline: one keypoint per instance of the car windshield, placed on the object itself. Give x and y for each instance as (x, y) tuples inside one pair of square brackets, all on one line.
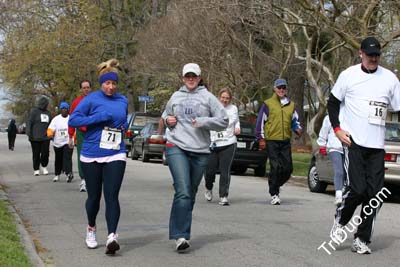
[(142, 120), (392, 132)]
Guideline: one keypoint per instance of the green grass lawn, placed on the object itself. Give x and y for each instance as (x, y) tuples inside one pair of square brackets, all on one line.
[(301, 163), (11, 251)]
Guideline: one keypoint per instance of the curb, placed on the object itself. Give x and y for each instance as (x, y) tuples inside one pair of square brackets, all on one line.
[(26, 239)]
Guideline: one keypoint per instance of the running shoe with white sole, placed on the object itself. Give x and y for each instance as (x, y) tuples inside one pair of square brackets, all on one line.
[(224, 201), (112, 244), (208, 195), (360, 247), (182, 245), (338, 234), (56, 178), (36, 172), (70, 176), (45, 171), (275, 200), (91, 241), (82, 186)]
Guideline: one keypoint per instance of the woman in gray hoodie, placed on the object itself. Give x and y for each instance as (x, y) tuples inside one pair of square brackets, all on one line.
[(190, 114)]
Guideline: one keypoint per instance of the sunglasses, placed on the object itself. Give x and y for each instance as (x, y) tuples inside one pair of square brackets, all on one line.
[(281, 87)]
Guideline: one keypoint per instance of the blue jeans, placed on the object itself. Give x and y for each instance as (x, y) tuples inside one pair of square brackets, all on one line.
[(338, 169), (187, 170)]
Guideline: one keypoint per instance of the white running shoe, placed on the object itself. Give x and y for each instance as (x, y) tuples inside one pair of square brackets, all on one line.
[(360, 247), (112, 244), (338, 234), (182, 245), (91, 237), (224, 201), (275, 200), (56, 178), (45, 171), (82, 186), (208, 195), (36, 173)]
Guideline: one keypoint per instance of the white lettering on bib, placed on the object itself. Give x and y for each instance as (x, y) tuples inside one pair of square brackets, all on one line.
[(110, 138), (377, 113)]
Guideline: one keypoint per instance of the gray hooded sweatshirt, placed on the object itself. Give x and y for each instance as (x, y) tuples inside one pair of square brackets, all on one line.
[(38, 121), (200, 105)]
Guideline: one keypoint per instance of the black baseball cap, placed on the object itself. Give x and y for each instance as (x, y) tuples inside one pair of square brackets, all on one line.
[(371, 46)]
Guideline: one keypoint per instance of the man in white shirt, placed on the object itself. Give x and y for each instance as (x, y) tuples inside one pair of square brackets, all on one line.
[(357, 110)]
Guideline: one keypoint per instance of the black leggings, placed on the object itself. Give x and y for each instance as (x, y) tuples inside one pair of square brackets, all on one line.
[(111, 175), (63, 160)]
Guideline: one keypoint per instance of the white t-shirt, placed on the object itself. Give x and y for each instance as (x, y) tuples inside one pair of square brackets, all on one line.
[(365, 99), (227, 136), (59, 125), (328, 138)]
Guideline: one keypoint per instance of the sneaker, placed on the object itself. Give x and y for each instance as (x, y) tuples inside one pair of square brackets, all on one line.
[(338, 201), (338, 233), (70, 176), (55, 179), (275, 200), (91, 237), (182, 245), (208, 195), (112, 244), (360, 247), (82, 186), (224, 201), (36, 173), (45, 171)]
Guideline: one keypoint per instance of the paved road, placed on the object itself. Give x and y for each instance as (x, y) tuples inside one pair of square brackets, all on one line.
[(250, 232)]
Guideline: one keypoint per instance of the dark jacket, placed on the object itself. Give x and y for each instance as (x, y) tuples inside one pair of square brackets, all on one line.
[(12, 128), (38, 121)]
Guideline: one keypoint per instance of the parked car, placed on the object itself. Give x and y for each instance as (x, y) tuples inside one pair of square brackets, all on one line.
[(149, 143), (247, 154), (320, 173), (136, 122)]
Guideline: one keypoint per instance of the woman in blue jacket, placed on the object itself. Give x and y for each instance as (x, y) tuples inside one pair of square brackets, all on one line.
[(103, 153)]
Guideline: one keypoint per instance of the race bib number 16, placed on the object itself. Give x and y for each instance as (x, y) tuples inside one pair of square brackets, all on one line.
[(377, 113)]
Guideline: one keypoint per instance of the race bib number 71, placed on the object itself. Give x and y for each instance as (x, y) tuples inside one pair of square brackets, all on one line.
[(110, 138)]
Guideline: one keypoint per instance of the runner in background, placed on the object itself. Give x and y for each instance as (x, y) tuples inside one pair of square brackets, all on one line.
[(79, 133)]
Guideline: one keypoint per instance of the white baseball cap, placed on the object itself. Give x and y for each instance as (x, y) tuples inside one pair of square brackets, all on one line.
[(191, 67)]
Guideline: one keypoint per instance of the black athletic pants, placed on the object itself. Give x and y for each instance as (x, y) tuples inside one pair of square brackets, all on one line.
[(40, 153), (221, 158), (63, 160), (364, 169), (280, 161)]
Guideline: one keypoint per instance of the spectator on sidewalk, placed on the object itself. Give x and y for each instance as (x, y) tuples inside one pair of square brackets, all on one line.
[(11, 134)]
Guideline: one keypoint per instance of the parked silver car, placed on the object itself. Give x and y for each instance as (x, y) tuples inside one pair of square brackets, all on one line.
[(320, 173)]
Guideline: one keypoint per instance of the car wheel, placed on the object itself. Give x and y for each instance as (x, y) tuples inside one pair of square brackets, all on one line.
[(145, 157), (164, 158), (134, 154), (260, 171), (314, 184), (239, 170)]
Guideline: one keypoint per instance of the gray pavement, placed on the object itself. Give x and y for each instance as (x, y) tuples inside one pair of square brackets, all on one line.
[(249, 232)]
